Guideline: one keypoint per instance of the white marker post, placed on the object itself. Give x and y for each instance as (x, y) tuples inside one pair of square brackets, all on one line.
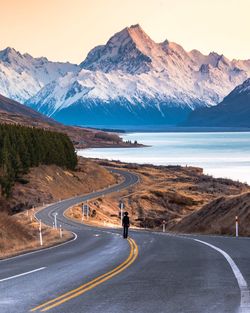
[(236, 226), (164, 226), (60, 231), (121, 210), (55, 220), (83, 210), (87, 209), (40, 233)]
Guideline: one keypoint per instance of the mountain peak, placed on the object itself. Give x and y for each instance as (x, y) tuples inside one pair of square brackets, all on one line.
[(8, 50), (9, 53), (127, 50), (132, 33), (131, 29), (140, 38), (135, 26)]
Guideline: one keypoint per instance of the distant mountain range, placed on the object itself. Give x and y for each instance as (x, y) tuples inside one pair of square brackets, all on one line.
[(131, 80), (22, 76)]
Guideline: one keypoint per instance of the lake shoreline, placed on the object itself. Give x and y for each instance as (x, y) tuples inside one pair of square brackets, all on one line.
[(166, 129), (225, 154)]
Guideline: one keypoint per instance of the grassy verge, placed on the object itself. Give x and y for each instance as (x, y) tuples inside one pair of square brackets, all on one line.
[(20, 233)]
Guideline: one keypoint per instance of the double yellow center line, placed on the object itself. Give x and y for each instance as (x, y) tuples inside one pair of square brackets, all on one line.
[(91, 284)]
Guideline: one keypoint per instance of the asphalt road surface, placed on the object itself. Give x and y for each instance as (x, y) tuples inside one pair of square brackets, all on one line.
[(100, 272)]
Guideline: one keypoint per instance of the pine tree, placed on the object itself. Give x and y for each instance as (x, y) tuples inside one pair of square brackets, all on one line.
[(23, 147)]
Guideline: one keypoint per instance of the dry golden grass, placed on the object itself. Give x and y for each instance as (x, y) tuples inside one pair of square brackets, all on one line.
[(97, 218), (46, 184), (218, 217), (20, 233), (164, 193)]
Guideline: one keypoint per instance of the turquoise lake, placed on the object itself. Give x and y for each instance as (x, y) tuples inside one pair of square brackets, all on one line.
[(219, 154)]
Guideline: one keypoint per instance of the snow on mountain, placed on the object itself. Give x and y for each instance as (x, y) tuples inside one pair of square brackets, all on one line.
[(233, 111), (131, 51), (133, 77), (244, 88), (22, 76), (95, 85)]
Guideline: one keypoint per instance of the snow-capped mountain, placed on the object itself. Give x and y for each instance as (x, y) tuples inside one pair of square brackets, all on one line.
[(22, 76), (132, 79), (233, 111)]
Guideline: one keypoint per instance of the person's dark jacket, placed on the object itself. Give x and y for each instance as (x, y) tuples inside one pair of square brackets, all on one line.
[(125, 221)]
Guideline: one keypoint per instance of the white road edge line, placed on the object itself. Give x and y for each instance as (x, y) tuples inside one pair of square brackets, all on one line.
[(22, 274), (244, 291)]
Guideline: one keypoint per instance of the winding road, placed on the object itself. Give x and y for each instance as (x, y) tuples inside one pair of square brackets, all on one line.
[(100, 272)]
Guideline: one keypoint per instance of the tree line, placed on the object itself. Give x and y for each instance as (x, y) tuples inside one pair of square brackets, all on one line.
[(24, 147)]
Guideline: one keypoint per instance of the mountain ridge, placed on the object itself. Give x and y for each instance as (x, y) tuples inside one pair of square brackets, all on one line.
[(132, 78), (22, 76), (233, 111)]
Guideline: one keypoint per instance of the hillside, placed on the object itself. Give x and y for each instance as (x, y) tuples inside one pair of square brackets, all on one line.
[(19, 233), (24, 147), (13, 108), (46, 184), (218, 217), (43, 185), (233, 111), (12, 112), (169, 193)]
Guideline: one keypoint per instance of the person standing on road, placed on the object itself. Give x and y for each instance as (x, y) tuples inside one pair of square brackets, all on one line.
[(125, 224)]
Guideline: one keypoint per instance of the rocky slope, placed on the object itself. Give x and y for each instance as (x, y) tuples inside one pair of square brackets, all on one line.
[(233, 111), (134, 80)]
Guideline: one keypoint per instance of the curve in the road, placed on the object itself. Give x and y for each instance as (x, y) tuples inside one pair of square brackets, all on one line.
[(173, 273), (129, 179), (46, 215)]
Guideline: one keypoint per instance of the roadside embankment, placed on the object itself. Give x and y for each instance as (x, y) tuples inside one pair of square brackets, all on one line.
[(173, 194), (19, 231)]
